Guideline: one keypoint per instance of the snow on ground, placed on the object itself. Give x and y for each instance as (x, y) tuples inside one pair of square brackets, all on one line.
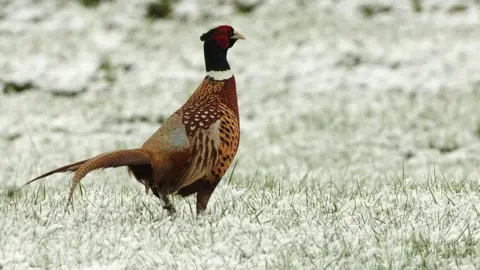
[(360, 135)]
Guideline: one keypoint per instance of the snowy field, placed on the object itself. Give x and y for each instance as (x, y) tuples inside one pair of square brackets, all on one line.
[(360, 142)]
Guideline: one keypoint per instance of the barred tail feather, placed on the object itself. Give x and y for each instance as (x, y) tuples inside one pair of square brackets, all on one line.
[(109, 160), (67, 168)]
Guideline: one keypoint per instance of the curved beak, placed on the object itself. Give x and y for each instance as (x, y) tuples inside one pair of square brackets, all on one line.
[(237, 35)]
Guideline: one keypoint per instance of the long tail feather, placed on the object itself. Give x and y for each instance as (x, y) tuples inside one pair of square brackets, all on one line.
[(67, 168), (109, 160)]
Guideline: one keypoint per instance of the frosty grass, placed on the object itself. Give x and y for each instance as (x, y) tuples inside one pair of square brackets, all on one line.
[(360, 144)]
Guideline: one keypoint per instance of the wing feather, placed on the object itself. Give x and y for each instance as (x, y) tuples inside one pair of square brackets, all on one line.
[(203, 157)]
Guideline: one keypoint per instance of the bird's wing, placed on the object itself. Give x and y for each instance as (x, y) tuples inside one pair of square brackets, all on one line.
[(202, 125), (203, 156), (170, 149)]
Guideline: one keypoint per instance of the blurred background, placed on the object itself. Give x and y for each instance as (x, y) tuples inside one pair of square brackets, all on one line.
[(351, 90)]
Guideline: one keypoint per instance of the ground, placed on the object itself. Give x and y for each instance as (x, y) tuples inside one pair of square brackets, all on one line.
[(360, 135)]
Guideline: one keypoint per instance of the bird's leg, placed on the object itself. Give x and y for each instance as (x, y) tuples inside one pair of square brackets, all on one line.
[(166, 202), (190, 189), (168, 205), (203, 196)]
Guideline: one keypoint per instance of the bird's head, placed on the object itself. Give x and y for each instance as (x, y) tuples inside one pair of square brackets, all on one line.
[(224, 36)]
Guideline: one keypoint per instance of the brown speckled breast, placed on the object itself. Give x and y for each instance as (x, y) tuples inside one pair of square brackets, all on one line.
[(214, 102)]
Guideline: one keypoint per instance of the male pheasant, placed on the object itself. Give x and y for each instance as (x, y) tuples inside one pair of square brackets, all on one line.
[(195, 146)]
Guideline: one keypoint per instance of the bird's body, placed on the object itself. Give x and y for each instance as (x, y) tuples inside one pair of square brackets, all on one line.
[(195, 146)]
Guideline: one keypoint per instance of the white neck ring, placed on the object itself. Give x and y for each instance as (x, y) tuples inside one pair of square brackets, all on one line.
[(220, 75)]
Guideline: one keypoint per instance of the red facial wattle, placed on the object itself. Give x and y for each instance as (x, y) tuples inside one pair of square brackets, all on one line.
[(222, 42), (222, 36)]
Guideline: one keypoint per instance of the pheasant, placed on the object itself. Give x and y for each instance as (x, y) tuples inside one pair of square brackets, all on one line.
[(194, 147)]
